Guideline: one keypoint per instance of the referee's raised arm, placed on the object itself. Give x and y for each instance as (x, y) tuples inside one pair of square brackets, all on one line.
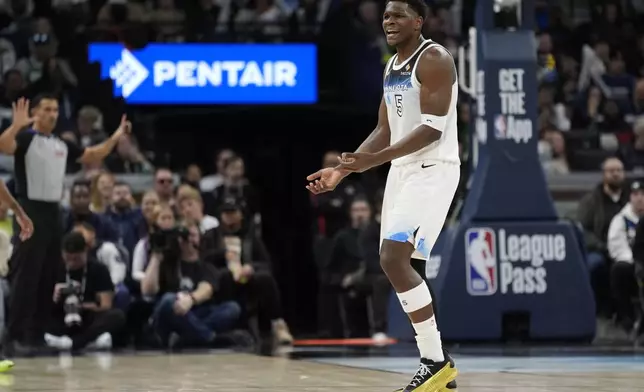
[(21, 120), (40, 166)]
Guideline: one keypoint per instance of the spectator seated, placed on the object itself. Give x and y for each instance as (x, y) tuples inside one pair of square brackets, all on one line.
[(162, 218), (84, 316), (246, 271), (110, 255), (621, 236), (80, 212), (125, 216), (354, 274), (189, 310)]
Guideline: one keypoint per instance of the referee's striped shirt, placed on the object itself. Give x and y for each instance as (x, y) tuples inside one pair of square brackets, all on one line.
[(40, 165)]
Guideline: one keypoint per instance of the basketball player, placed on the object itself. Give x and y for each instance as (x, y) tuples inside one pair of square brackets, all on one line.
[(417, 133), (26, 230)]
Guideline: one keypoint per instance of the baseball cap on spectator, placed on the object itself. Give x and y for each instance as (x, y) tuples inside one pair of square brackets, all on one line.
[(637, 185)]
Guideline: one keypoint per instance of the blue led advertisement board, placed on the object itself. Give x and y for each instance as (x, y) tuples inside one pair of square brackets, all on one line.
[(188, 74)]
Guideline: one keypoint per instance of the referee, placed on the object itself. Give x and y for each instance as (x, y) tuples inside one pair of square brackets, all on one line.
[(40, 164)]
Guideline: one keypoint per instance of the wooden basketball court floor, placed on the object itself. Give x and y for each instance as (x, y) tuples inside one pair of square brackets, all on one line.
[(249, 373)]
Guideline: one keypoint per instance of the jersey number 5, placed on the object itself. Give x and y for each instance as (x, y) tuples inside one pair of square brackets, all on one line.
[(399, 104)]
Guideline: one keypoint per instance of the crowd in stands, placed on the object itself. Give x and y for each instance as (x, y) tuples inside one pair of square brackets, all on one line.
[(590, 93), (610, 218), (135, 257), (184, 267)]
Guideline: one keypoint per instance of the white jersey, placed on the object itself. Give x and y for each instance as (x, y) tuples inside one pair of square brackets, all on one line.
[(402, 97)]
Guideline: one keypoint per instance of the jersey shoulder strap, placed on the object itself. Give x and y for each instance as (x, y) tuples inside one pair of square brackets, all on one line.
[(389, 65), (431, 44), (414, 59)]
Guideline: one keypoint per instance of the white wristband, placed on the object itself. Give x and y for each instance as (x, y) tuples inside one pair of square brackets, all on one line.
[(436, 122)]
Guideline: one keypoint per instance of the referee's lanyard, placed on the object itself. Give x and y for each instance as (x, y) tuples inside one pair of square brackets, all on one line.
[(70, 281)]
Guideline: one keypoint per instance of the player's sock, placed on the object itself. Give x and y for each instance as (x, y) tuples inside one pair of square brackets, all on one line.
[(428, 340), (427, 335)]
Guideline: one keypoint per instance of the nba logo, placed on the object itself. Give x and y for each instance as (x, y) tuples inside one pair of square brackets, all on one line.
[(480, 261), (500, 126)]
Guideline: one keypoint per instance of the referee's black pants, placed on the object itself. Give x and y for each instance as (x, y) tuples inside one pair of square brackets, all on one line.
[(33, 269)]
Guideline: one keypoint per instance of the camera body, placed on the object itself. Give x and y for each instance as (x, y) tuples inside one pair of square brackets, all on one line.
[(71, 296), (167, 241)]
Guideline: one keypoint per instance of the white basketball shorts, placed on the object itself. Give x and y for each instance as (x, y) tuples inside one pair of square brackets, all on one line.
[(416, 201)]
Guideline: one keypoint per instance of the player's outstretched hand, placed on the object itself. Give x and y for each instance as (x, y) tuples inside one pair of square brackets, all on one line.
[(325, 180), (26, 226), (20, 111)]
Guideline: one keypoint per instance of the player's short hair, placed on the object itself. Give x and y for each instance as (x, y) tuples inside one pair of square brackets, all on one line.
[(42, 97), (419, 6)]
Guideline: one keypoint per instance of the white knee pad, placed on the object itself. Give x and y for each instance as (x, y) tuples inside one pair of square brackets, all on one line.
[(416, 298)]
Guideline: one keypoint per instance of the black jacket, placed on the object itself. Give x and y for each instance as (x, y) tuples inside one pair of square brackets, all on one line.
[(595, 212), (254, 251), (355, 249)]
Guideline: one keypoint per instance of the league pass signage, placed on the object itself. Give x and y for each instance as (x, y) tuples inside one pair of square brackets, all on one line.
[(515, 263), (210, 73)]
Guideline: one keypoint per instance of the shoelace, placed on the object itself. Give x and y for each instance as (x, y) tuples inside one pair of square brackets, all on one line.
[(419, 377)]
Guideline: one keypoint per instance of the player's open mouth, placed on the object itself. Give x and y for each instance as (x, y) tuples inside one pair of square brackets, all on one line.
[(392, 33)]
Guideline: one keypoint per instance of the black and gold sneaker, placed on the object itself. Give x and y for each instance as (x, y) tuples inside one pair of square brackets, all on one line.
[(432, 376), (5, 364), (451, 386)]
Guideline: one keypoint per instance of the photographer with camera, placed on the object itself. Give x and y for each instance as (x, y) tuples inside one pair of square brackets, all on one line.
[(83, 296), (110, 255), (163, 219), (186, 311)]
